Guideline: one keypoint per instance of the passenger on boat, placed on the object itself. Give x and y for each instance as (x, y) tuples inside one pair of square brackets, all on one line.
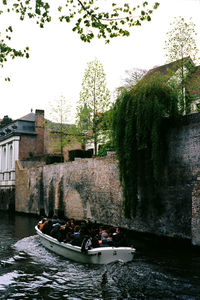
[(104, 234), (110, 239), (118, 238), (94, 236), (47, 227), (86, 244), (72, 223), (76, 230), (68, 233), (78, 239), (42, 223), (56, 232), (104, 243)]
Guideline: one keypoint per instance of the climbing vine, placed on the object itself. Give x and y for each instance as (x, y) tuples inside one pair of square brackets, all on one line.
[(141, 118)]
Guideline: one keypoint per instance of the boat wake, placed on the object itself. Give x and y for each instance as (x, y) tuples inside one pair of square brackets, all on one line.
[(30, 247)]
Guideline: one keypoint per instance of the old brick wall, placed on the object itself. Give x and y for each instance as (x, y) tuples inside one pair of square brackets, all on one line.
[(34, 143), (27, 144), (40, 131)]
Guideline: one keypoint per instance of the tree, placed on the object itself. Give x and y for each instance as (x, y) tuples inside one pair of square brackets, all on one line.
[(59, 126), (93, 103), (181, 43), (181, 40), (89, 18), (132, 77), (141, 118)]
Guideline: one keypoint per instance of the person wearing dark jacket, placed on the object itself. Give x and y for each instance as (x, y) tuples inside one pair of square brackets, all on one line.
[(47, 227)]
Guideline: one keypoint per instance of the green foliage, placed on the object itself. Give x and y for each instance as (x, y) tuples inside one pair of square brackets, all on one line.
[(93, 103), (89, 18), (6, 120), (7, 50), (60, 113), (31, 154), (141, 118), (104, 148), (181, 44), (181, 40)]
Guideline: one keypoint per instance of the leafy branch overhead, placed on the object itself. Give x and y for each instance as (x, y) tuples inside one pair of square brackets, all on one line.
[(6, 50), (113, 22), (91, 18), (88, 16)]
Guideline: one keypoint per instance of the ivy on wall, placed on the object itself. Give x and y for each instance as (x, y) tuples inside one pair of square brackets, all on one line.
[(141, 119)]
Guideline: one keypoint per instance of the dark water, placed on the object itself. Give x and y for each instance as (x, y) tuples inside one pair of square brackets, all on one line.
[(29, 271)]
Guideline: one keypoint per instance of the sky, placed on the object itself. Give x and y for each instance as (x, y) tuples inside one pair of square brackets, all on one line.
[(58, 58)]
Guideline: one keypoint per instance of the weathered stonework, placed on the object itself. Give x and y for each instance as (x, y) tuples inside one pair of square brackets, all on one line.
[(90, 188), (196, 213), (7, 198)]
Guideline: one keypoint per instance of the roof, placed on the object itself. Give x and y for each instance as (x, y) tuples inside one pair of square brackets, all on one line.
[(167, 70), (29, 117), (193, 82)]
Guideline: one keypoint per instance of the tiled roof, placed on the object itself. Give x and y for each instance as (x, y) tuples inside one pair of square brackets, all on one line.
[(193, 82), (29, 117), (166, 70)]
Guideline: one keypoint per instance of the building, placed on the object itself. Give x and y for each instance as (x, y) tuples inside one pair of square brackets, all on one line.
[(19, 140), (32, 141), (185, 75)]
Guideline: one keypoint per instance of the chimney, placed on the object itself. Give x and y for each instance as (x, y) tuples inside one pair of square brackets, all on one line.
[(40, 130)]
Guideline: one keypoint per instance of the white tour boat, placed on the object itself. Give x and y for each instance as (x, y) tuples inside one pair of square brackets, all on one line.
[(101, 255)]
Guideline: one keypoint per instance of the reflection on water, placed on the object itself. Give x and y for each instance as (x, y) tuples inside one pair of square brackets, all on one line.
[(29, 271)]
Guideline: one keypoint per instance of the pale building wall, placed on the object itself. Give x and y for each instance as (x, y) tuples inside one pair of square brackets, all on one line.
[(9, 153)]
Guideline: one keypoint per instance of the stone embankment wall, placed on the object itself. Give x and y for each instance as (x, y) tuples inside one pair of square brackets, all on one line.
[(90, 188), (86, 188), (7, 198)]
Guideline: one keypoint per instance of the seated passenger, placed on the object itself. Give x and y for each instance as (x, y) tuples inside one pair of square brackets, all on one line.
[(42, 223), (118, 238), (110, 239), (94, 236), (104, 243), (47, 227), (104, 234), (68, 233), (86, 244), (72, 223), (56, 232), (78, 239), (76, 230)]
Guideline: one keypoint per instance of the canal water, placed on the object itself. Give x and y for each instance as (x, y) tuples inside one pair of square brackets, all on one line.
[(29, 271)]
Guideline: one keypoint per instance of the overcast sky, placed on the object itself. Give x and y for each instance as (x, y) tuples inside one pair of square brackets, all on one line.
[(58, 58)]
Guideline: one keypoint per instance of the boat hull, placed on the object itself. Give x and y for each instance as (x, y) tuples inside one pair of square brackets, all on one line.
[(101, 255)]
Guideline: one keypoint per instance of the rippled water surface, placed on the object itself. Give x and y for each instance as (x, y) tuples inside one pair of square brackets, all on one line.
[(29, 271)]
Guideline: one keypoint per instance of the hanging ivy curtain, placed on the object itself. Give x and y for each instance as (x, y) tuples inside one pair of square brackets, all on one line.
[(141, 119)]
